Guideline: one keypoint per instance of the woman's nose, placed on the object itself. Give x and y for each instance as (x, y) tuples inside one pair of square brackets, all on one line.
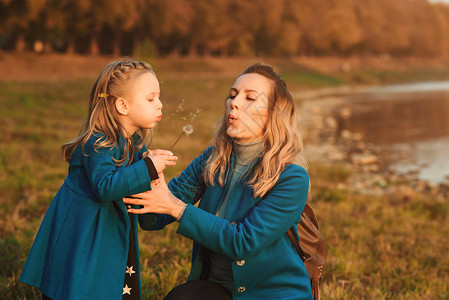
[(235, 103)]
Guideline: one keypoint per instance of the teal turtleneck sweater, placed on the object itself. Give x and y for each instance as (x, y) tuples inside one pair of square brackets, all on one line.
[(221, 265)]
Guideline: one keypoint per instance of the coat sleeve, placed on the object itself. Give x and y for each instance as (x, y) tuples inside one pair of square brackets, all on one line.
[(270, 218), (109, 182), (188, 187)]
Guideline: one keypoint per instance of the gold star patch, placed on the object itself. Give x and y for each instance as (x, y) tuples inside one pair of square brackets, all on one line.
[(130, 271), (127, 290)]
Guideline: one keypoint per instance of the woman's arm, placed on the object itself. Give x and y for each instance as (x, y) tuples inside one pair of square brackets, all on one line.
[(189, 187), (267, 221)]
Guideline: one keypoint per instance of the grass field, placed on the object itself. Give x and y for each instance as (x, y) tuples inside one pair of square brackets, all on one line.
[(389, 247)]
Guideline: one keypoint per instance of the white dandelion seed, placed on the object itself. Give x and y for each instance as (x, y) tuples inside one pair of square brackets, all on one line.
[(181, 105), (193, 115), (186, 129)]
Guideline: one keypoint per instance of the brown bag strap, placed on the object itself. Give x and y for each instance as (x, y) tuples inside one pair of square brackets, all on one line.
[(315, 289), (295, 244)]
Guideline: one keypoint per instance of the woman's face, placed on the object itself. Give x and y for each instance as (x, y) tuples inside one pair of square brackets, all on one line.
[(247, 107)]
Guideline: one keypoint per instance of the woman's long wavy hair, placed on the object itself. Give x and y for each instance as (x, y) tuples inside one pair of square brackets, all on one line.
[(114, 81), (281, 139)]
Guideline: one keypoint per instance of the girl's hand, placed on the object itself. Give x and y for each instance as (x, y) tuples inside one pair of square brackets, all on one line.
[(161, 159), (159, 200)]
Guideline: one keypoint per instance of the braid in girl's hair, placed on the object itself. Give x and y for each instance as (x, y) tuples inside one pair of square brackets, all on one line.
[(112, 83)]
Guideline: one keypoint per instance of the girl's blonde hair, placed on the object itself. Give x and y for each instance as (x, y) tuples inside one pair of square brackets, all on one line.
[(281, 139), (113, 82)]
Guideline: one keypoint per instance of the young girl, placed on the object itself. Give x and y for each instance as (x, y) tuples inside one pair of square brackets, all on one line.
[(87, 246)]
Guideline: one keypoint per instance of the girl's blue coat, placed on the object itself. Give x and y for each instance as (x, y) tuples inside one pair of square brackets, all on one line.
[(265, 264), (81, 249)]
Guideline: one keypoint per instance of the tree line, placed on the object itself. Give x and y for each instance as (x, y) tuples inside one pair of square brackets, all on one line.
[(226, 27)]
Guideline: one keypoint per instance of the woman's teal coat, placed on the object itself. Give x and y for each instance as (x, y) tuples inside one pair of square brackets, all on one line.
[(253, 234), (81, 249)]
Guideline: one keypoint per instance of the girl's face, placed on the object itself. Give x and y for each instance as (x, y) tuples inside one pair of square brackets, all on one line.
[(247, 107), (144, 105)]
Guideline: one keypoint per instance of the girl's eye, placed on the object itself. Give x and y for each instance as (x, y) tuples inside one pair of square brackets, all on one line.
[(150, 99), (251, 98), (231, 97)]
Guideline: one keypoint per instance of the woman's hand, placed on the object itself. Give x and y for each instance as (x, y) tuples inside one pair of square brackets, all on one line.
[(161, 159), (159, 200)]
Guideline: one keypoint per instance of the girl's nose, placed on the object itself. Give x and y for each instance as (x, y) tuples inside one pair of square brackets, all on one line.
[(160, 105)]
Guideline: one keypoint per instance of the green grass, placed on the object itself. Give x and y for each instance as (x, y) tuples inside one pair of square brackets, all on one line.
[(378, 247)]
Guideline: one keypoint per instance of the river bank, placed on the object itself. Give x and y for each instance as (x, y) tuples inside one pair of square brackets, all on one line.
[(368, 163)]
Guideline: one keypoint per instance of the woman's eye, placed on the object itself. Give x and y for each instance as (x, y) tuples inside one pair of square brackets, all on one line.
[(150, 99), (231, 97), (251, 98)]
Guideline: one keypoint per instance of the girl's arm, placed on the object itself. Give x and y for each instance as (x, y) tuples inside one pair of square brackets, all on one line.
[(109, 182)]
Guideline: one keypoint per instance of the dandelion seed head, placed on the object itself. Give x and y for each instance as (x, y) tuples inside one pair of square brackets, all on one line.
[(188, 129)]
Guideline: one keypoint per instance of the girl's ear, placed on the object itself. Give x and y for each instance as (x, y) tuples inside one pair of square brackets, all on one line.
[(122, 106)]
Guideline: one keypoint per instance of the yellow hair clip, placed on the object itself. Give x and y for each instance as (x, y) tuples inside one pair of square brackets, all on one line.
[(103, 95)]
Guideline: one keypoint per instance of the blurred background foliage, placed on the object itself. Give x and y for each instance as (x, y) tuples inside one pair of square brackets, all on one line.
[(226, 27)]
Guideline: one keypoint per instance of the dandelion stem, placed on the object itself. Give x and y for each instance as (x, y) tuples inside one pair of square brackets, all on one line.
[(176, 141)]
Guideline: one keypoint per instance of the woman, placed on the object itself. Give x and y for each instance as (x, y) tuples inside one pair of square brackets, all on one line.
[(253, 188)]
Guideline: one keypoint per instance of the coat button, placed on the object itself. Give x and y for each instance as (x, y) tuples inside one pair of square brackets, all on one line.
[(241, 289), (240, 262), (232, 223)]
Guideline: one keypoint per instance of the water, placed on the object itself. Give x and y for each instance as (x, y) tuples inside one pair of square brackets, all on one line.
[(422, 87), (410, 123), (428, 159)]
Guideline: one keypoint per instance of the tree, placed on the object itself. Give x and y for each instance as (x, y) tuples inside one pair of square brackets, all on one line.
[(289, 31), (243, 19), (442, 19), (210, 32), (330, 26), (14, 21)]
